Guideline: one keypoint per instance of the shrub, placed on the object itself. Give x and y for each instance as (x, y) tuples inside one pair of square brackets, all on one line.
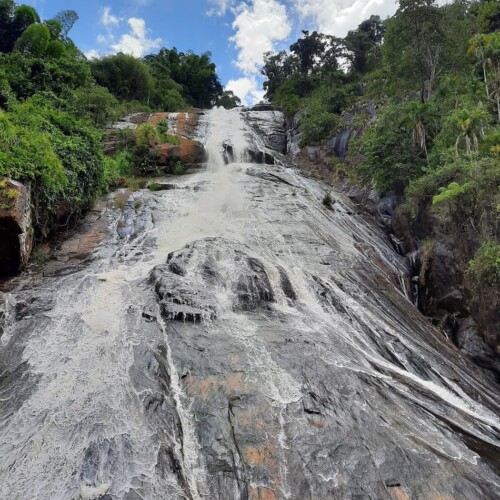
[(97, 103), (391, 159), (172, 139), (319, 121), (125, 162), (453, 191), (485, 267), (179, 168), (327, 200), (154, 186), (112, 176), (146, 136)]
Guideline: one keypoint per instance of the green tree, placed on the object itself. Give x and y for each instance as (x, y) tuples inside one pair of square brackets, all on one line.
[(414, 45), (54, 28), (308, 50), (34, 40), (24, 16), (277, 69), (420, 116), (97, 103), (13, 22), (228, 100), (171, 100), (195, 74), (393, 155), (124, 76), (486, 48), (362, 44), (489, 17), (66, 19), (7, 9), (463, 128)]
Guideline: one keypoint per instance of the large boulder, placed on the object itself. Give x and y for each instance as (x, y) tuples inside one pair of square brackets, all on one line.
[(187, 151), (16, 232)]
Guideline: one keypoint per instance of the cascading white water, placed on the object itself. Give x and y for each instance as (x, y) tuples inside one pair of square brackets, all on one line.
[(286, 362)]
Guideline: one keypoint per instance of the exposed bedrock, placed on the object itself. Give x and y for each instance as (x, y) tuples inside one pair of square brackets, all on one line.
[(16, 232)]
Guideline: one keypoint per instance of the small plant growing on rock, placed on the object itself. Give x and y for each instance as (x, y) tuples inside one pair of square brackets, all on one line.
[(327, 200), (120, 202), (137, 204), (154, 186), (179, 168), (7, 195), (12, 193), (41, 255)]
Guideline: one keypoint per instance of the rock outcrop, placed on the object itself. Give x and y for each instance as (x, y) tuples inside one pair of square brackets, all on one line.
[(180, 125), (16, 233), (269, 122), (187, 151)]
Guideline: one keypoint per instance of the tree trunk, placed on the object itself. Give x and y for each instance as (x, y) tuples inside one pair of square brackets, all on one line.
[(485, 79)]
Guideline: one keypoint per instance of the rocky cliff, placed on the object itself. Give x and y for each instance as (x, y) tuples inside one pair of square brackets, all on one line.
[(438, 252)]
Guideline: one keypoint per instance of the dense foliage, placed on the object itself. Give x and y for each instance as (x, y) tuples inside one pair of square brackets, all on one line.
[(55, 104)]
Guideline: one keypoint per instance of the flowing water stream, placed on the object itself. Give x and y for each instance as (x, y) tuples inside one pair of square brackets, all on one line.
[(235, 338)]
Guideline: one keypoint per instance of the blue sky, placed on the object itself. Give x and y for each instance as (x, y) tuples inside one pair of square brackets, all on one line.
[(237, 32)]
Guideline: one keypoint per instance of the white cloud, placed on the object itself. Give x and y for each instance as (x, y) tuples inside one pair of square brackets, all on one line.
[(339, 16), (136, 42), (102, 39), (220, 7), (92, 54), (138, 27), (247, 89), (108, 19), (258, 25)]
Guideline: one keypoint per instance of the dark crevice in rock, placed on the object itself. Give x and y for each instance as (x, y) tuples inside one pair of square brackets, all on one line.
[(10, 247), (262, 157), (268, 176)]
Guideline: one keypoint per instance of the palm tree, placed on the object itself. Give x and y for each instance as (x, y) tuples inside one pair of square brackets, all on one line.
[(417, 114), (464, 121), (486, 48)]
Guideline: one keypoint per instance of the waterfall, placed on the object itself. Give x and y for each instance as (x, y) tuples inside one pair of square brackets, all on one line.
[(234, 338)]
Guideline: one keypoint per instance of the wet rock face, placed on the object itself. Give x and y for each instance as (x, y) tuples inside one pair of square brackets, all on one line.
[(293, 134), (16, 235), (337, 145), (260, 157), (269, 122), (189, 284)]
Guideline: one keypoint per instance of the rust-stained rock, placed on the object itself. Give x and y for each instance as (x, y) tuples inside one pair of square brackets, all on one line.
[(157, 117), (138, 118), (397, 493), (16, 233), (180, 124), (188, 151)]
